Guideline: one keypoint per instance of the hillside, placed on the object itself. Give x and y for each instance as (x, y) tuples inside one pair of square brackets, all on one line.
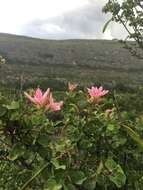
[(50, 61)]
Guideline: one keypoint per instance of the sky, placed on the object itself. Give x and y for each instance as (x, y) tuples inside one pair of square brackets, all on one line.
[(57, 19)]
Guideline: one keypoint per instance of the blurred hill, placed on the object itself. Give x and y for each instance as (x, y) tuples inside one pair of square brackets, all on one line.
[(84, 61)]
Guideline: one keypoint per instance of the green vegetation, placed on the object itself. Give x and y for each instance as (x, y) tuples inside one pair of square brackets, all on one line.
[(84, 146)]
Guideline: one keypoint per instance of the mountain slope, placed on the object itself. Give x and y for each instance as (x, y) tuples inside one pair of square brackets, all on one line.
[(83, 61)]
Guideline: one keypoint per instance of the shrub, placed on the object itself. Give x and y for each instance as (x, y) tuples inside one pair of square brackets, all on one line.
[(86, 145)]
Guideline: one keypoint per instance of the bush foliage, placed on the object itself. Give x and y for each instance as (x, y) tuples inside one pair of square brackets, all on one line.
[(87, 145)]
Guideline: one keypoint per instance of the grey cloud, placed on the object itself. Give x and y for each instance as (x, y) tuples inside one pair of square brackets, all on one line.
[(86, 22)]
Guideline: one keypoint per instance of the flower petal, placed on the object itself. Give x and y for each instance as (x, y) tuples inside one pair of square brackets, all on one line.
[(38, 94), (45, 97), (30, 98)]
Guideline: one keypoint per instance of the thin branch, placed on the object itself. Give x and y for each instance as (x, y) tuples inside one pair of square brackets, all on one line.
[(34, 176)]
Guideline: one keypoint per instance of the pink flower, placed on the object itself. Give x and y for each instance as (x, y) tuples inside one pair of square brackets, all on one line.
[(54, 106), (95, 92), (39, 99), (109, 111), (44, 100), (71, 87)]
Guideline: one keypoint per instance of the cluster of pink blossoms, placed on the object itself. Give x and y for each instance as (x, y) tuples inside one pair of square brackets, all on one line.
[(95, 94), (45, 100), (72, 87)]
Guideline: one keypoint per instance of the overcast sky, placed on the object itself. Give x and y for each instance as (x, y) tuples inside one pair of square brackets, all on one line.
[(57, 19)]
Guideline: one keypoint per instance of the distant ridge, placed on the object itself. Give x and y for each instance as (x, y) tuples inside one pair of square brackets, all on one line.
[(107, 60)]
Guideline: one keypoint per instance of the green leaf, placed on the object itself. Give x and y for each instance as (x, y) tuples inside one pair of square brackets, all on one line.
[(14, 116), (106, 24), (77, 177), (52, 185), (82, 104), (34, 176), (13, 106), (110, 127), (2, 111), (119, 179), (99, 170), (134, 136), (62, 145), (0, 122), (69, 187), (55, 162), (119, 141), (17, 151), (116, 174), (74, 106), (110, 164), (90, 183), (43, 140), (43, 152)]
